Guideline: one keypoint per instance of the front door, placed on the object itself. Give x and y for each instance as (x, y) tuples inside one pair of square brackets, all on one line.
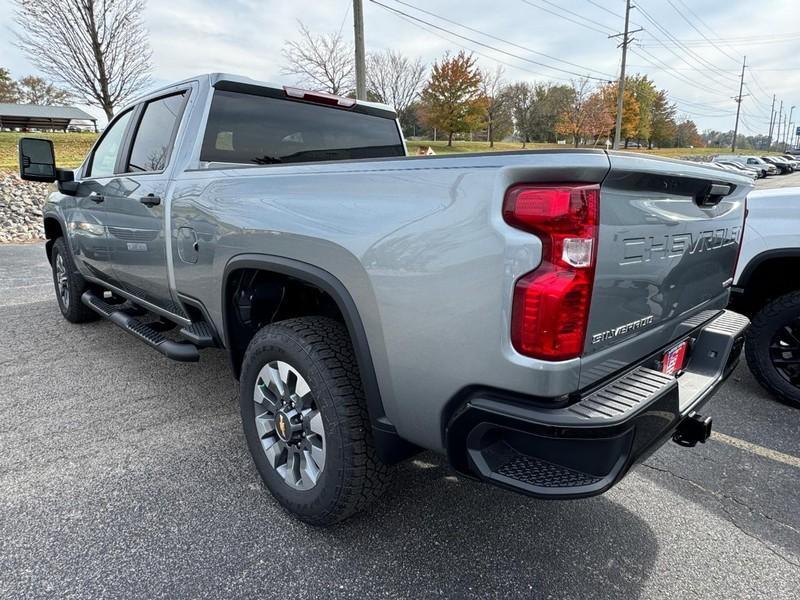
[(87, 211), (135, 211)]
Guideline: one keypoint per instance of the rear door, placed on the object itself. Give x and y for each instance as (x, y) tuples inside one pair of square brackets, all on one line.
[(135, 211), (668, 244)]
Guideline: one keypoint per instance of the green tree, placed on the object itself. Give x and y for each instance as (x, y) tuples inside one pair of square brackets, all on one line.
[(662, 121), (550, 101), (452, 100), (686, 134), (521, 100), (9, 92)]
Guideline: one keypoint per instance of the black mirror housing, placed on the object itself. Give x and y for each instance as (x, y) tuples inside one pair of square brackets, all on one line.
[(37, 160)]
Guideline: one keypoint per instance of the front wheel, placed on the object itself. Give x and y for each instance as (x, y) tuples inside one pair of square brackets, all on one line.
[(772, 347), (305, 420), (69, 284)]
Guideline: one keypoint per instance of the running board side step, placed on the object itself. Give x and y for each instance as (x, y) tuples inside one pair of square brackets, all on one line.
[(180, 351)]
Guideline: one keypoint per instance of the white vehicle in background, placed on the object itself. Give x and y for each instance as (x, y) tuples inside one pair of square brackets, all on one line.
[(756, 162), (766, 288), (738, 168)]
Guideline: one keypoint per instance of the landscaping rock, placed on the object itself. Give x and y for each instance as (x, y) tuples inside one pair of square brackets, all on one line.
[(21, 209)]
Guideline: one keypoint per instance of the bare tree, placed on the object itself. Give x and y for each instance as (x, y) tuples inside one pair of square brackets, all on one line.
[(36, 90), (97, 48), (321, 62), (498, 104), (395, 80)]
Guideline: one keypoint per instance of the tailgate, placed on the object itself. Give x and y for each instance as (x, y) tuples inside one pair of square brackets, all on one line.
[(665, 258)]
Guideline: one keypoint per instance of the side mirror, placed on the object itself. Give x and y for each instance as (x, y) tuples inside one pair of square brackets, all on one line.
[(37, 160)]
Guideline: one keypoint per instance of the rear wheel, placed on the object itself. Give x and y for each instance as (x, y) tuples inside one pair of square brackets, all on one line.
[(69, 284), (772, 347), (306, 423)]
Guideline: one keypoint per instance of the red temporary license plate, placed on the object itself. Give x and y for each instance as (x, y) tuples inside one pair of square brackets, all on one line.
[(675, 359)]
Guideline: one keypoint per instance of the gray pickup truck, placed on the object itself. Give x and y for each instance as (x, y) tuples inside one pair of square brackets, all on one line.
[(545, 319)]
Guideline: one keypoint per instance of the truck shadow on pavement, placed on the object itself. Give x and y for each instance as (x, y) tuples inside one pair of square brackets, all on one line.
[(436, 534), (127, 475)]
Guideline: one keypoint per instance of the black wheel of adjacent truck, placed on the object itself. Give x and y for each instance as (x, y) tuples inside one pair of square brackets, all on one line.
[(305, 420), (772, 348), (69, 284)]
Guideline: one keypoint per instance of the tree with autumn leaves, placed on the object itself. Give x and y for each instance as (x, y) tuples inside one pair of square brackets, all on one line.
[(452, 100)]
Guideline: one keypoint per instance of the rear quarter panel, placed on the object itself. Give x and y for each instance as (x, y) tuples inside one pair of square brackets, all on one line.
[(422, 248)]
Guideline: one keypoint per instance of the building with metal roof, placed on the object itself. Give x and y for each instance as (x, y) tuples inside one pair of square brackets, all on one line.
[(35, 116)]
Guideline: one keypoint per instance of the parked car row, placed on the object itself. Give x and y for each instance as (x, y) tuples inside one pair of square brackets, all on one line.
[(758, 166)]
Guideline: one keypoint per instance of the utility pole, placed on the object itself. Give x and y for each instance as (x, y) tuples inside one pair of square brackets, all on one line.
[(361, 59), (626, 39), (738, 106), (771, 122), (788, 128), (778, 130)]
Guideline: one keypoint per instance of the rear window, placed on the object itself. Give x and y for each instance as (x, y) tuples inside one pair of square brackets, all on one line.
[(259, 130)]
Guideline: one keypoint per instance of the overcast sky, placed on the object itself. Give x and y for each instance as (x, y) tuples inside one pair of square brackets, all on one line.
[(247, 36)]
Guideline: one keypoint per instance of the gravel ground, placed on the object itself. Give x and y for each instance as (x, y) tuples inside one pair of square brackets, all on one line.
[(125, 475)]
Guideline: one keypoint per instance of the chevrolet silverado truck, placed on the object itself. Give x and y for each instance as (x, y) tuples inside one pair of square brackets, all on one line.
[(767, 289), (545, 319)]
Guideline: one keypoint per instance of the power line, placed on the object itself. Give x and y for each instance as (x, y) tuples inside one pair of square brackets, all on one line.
[(478, 52), (484, 45), (552, 12), (693, 26), (503, 40), (671, 37), (604, 9), (574, 14)]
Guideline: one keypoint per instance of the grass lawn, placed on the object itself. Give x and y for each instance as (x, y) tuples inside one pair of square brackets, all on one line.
[(70, 148), (458, 146)]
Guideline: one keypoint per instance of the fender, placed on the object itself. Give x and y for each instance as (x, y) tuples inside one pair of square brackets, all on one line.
[(760, 259), (55, 215), (390, 446)]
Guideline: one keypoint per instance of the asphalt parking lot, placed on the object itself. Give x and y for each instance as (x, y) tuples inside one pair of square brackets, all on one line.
[(123, 474), (779, 181)]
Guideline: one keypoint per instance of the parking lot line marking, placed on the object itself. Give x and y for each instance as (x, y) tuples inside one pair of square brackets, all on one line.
[(787, 459)]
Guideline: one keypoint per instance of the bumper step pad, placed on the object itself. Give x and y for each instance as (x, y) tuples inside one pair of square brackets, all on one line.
[(625, 395), (540, 473)]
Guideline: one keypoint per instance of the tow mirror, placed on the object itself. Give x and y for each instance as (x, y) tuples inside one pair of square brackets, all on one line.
[(37, 161)]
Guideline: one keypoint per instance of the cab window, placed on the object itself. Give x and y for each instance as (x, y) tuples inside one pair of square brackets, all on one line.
[(153, 141), (105, 154)]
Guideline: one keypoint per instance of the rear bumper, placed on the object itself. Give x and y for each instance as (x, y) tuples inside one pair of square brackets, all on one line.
[(585, 448)]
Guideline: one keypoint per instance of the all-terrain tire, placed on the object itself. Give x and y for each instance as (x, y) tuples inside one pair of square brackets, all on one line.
[(69, 284), (319, 349), (769, 321)]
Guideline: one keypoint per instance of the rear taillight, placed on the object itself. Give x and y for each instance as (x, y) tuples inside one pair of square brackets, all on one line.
[(550, 313)]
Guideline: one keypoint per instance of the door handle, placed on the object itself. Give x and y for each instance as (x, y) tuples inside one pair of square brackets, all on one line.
[(98, 198), (150, 200)]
